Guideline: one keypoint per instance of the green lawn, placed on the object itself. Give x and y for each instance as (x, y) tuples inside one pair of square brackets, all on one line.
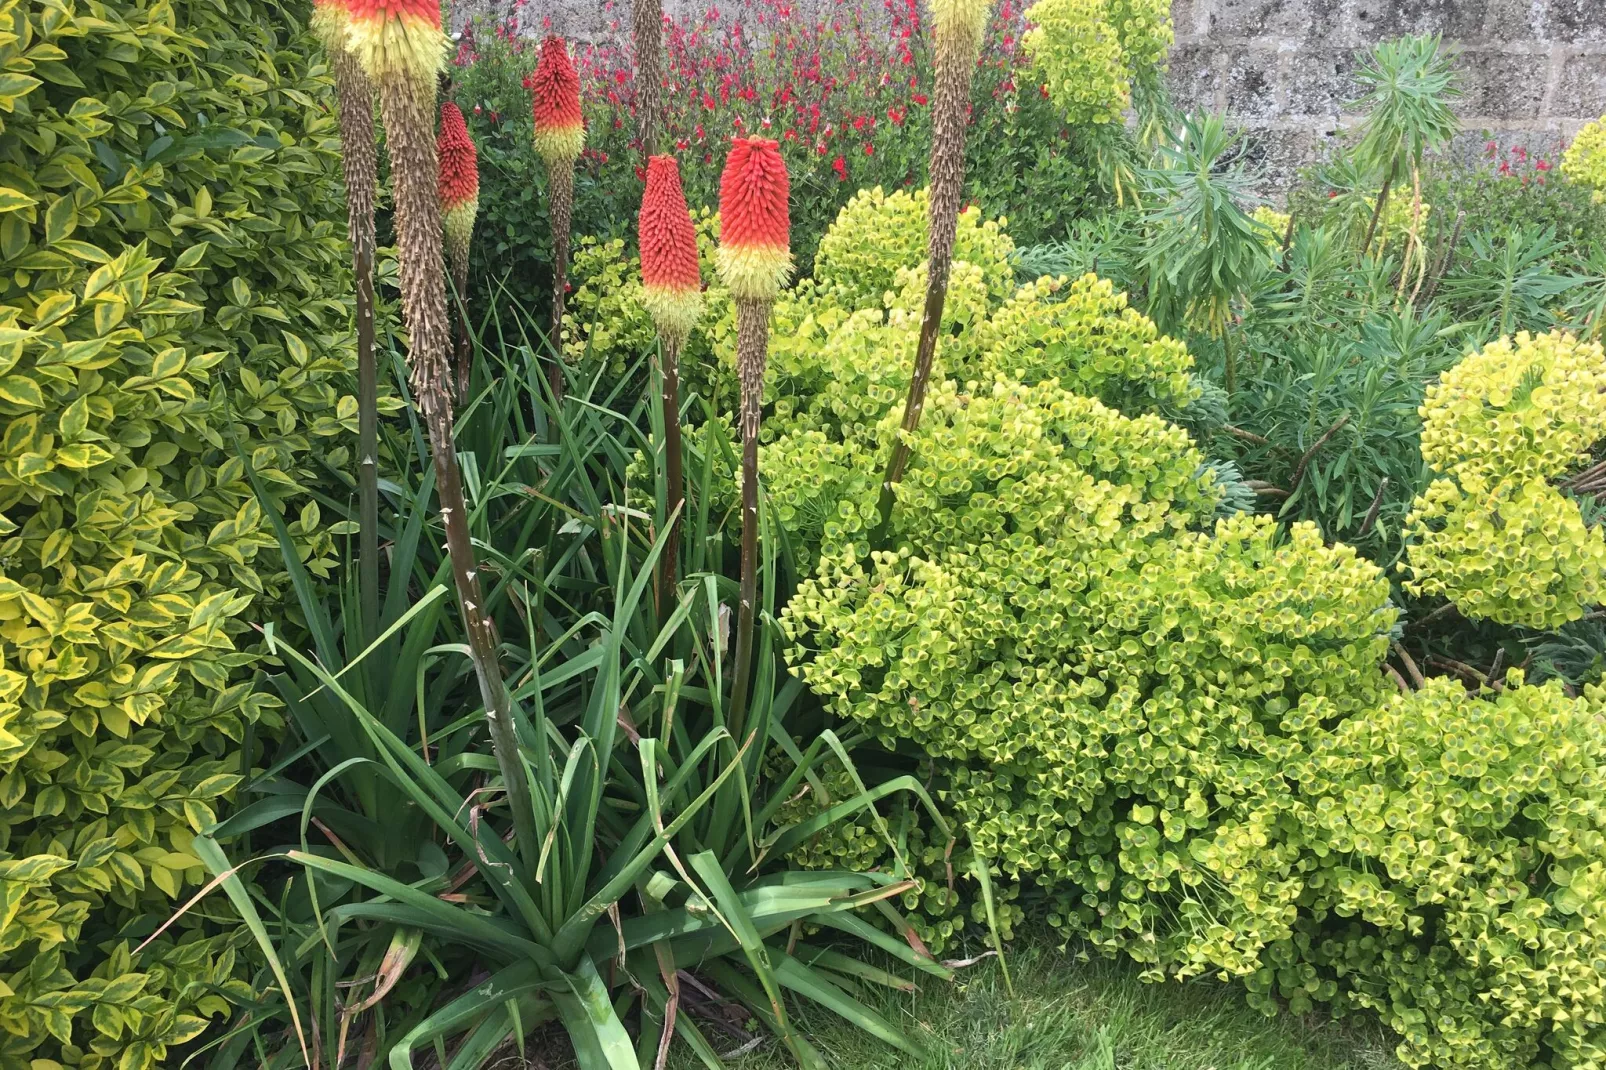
[(1077, 1015)]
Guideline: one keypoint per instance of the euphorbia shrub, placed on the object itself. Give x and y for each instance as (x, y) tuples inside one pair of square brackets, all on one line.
[(1584, 162), (1178, 732), (1491, 532)]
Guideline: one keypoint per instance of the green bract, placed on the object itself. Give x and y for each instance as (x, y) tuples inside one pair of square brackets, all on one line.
[(170, 222), (1456, 847), (1520, 408), (1492, 534)]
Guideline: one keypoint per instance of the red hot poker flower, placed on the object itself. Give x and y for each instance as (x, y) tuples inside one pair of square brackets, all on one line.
[(670, 275), (459, 179), (755, 255), (460, 176), (559, 126), (396, 37)]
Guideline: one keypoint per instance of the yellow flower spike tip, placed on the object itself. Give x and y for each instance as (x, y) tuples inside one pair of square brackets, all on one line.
[(328, 24), (392, 38)]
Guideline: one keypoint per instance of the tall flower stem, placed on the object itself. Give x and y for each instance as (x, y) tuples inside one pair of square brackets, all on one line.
[(755, 259), (561, 199), (958, 28), (359, 159), (647, 34), (752, 354), (674, 477), (407, 104)]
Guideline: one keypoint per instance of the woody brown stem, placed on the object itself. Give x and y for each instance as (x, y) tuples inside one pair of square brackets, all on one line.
[(359, 160), (647, 32), (408, 105), (752, 352), (668, 564), (562, 211), (949, 115)]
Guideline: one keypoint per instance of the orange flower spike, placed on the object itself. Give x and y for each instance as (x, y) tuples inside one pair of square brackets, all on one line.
[(460, 177), (670, 275), (396, 37), (755, 256), (560, 131)]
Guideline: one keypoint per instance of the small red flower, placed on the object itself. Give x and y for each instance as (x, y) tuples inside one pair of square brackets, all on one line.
[(840, 166)]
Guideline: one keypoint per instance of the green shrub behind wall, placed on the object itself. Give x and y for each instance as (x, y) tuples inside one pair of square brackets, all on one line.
[(172, 277)]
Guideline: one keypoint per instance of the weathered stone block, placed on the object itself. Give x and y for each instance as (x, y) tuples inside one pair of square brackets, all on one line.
[(1194, 76), (1276, 156), (1505, 85), (1294, 19), (1581, 90), (1379, 20), (1252, 77), (1321, 81), (1575, 22)]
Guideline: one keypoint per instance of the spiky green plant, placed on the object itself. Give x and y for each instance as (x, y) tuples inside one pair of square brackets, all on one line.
[(1409, 85), (1205, 252)]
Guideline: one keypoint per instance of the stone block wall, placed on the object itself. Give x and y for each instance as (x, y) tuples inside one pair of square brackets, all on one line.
[(1532, 71)]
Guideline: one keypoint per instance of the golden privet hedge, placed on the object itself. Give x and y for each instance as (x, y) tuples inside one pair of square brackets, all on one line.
[(171, 301)]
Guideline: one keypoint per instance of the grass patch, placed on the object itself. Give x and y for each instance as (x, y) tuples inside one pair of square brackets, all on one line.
[(1071, 1014)]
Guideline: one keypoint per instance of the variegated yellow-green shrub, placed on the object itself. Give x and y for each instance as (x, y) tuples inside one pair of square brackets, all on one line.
[(174, 296), (1491, 532)]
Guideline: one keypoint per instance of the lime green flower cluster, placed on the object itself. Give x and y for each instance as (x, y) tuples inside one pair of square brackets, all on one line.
[(1179, 730), (1091, 655), (1084, 335), (1584, 162), (1088, 51), (1275, 222), (844, 345), (1491, 533), (1506, 550), (878, 233)]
